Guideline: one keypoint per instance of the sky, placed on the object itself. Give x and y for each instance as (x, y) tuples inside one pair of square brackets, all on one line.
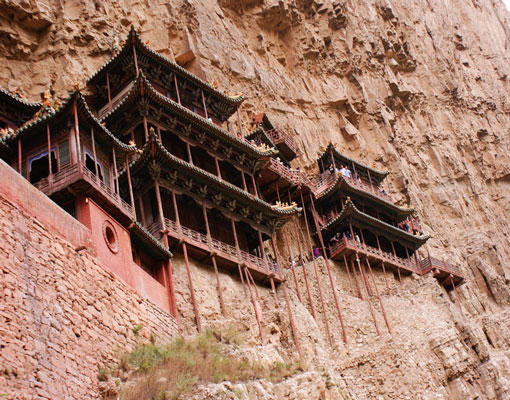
[(507, 2)]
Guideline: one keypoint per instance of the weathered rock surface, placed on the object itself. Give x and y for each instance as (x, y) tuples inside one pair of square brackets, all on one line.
[(419, 88)]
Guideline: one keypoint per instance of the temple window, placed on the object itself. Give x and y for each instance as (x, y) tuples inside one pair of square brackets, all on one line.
[(91, 166), (38, 166)]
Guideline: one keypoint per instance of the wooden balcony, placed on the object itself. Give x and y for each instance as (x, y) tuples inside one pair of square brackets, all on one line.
[(447, 274), (329, 179), (283, 142), (348, 247), (69, 178), (227, 256)]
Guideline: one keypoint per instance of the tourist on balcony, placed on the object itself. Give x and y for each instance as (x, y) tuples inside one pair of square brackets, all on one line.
[(292, 263), (357, 238), (331, 170), (347, 234)]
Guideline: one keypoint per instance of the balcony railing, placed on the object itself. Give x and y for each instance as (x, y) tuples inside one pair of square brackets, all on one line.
[(277, 136), (429, 263), (327, 180), (70, 173), (389, 258), (223, 249)]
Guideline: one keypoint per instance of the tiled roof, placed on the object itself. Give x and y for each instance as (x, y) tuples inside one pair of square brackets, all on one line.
[(134, 37), (373, 172), (51, 115), (163, 155), (350, 210), (149, 91)]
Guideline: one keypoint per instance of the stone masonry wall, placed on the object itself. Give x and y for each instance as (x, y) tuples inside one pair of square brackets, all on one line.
[(62, 314)]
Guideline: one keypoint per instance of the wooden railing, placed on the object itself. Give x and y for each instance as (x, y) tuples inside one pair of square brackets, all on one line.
[(327, 179), (70, 172), (429, 263), (407, 263), (277, 136), (224, 249)]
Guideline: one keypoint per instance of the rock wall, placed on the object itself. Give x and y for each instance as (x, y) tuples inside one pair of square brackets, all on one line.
[(63, 315), (418, 88)]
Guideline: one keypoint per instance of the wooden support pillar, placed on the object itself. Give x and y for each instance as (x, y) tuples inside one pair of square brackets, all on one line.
[(326, 260), (368, 294), (239, 123), (236, 241), (382, 262), (20, 169), (332, 157), (278, 265), (77, 137), (115, 173), (173, 302), (145, 128), (188, 148), (160, 206), (348, 273), (176, 210), (94, 153), (250, 279), (291, 319), (206, 220), (256, 306), (218, 170), (48, 138), (108, 91), (305, 275), (254, 185), (360, 292), (135, 58), (245, 187), (379, 297), (322, 164), (354, 170), (203, 104), (158, 131), (292, 264), (130, 186), (262, 252), (218, 286), (191, 289), (315, 271), (142, 212), (177, 89)]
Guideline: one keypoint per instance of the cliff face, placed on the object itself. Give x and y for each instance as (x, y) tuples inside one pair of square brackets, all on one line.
[(421, 89)]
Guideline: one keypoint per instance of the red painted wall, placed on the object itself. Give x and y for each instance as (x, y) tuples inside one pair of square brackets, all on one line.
[(118, 258)]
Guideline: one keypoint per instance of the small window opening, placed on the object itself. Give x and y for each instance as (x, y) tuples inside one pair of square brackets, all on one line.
[(89, 163), (39, 167)]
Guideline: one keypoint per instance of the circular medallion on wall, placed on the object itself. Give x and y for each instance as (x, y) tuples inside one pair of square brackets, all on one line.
[(110, 237)]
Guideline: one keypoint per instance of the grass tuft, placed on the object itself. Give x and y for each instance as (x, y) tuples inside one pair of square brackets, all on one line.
[(169, 371)]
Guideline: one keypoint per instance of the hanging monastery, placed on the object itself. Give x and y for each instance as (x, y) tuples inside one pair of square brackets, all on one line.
[(155, 162)]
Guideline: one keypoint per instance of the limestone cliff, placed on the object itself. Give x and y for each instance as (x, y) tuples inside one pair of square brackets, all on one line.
[(420, 88)]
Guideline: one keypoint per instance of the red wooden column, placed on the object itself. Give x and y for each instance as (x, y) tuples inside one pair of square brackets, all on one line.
[(315, 271), (203, 104), (254, 185), (239, 123), (131, 198), (356, 279), (360, 294), (49, 149), (94, 153), (292, 265), (77, 137), (191, 289), (116, 175), (368, 295), (218, 170), (135, 57), (213, 259), (19, 158), (382, 263), (167, 265), (234, 231), (379, 297), (291, 318), (177, 89), (395, 255), (109, 91), (326, 259), (278, 264)]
